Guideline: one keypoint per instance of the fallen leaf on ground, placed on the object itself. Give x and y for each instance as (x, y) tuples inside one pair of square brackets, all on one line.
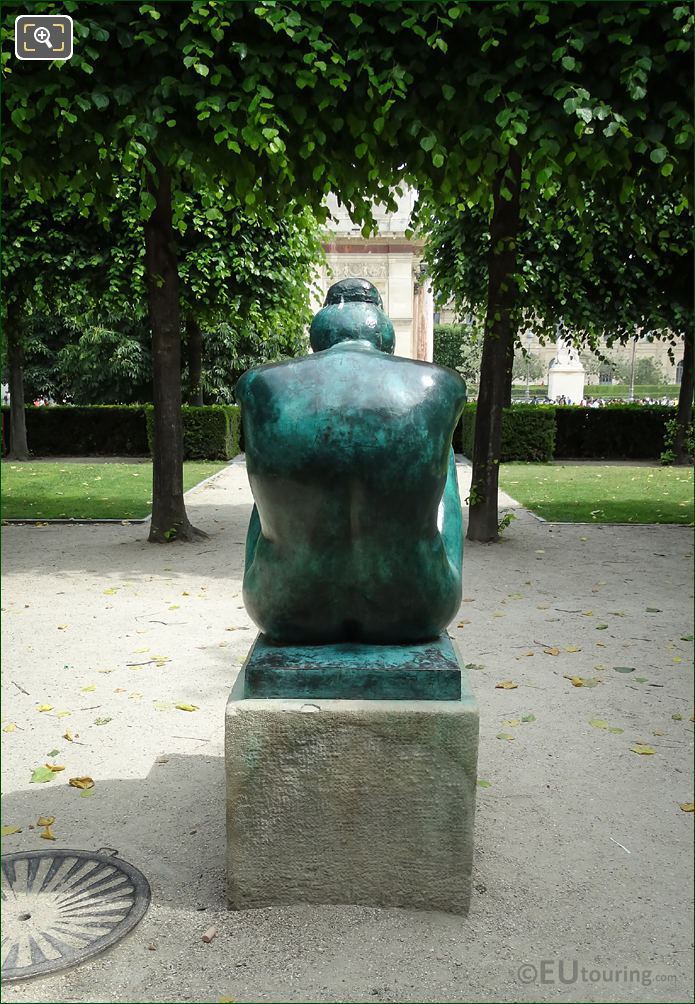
[(484, 784), (475, 665), (81, 782), (502, 685), (499, 613), (601, 627), (89, 689), (677, 658), (677, 717), (572, 648), (587, 613), (102, 721), (512, 722), (63, 714), (45, 707), (528, 718), (643, 749), (53, 753), (687, 637), (10, 727), (55, 767), (69, 736), (62, 627), (624, 669), (7, 831), (187, 707), (598, 723), (460, 624), (505, 735), (41, 774), (543, 606), (110, 592), (551, 651), (47, 822), (582, 681), (685, 806), (653, 610), (658, 732), (640, 679)]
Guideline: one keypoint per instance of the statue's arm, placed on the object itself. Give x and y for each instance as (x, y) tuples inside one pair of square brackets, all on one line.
[(252, 536), (451, 517)]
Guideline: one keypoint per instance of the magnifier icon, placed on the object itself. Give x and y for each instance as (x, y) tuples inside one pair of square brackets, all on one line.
[(43, 35)]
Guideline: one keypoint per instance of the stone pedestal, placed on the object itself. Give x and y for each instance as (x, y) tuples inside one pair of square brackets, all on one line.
[(566, 374), (566, 381), (366, 802)]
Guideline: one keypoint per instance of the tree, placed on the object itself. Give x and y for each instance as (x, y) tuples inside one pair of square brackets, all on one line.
[(529, 366), (86, 335), (459, 346), (649, 371), (233, 102), (552, 98)]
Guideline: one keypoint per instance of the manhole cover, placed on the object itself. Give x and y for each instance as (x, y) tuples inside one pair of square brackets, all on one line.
[(62, 907)]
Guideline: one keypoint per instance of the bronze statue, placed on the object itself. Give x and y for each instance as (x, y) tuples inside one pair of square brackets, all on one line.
[(356, 534)]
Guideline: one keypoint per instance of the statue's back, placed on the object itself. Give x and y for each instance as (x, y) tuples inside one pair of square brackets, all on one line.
[(348, 454)]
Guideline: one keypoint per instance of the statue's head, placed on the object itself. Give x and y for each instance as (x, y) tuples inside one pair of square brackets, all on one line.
[(352, 312)]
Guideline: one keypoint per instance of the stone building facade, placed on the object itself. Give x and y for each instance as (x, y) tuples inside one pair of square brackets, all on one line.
[(390, 261)]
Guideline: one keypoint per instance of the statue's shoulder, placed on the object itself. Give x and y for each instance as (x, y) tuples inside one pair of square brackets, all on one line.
[(443, 380), (267, 375)]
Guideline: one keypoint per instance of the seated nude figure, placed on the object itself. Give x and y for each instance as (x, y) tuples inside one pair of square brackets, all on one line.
[(356, 534)]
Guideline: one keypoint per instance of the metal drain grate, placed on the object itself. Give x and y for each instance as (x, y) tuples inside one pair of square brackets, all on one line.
[(62, 907)]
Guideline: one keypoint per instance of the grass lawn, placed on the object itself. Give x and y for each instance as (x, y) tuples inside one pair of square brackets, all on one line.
[(596, 494), (99, 490)]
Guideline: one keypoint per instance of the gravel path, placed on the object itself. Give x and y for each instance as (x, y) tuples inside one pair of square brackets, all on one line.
[(582, 851)]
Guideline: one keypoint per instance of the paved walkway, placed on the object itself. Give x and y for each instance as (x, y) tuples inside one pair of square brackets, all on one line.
[(582, 851)]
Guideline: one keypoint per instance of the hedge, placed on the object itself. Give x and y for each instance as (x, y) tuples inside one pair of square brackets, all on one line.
[(210, 432), (616, 431), (528, 432), (75, 431), (555, 432)]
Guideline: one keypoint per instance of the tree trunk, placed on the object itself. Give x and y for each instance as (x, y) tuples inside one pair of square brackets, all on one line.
[(684, 415), (15, 360), (498, 353), (169, 519), (195, 360), (508, 377)]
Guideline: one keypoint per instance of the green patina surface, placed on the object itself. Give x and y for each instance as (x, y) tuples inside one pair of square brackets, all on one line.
[(356, 534), (428, 671)]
